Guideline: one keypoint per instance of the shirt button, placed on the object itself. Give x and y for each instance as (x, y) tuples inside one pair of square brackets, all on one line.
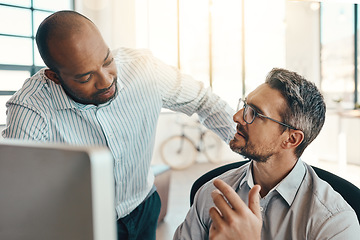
[(261, 209)]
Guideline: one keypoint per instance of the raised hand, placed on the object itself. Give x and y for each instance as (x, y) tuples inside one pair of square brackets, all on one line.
[(232, 219)]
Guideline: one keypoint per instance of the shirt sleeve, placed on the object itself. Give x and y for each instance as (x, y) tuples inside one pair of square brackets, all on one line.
[(343, 225), (197, 221), (24, 123), (181, 93)]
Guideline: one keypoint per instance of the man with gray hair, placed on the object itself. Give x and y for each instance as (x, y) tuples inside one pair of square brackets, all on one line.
[(276, 195)]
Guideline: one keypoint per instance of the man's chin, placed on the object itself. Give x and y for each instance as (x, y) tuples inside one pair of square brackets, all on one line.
[(232, 143), (236, 149), (241, 151), (234, 146), (260, 159), (105, 99)]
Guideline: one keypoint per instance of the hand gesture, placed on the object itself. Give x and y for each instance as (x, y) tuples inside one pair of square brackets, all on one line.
[(232, 219)]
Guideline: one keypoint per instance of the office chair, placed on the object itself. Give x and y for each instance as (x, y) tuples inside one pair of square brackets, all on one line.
[(346, 189)]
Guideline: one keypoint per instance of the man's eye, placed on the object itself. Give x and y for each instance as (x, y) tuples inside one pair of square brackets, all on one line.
[(86, 79)]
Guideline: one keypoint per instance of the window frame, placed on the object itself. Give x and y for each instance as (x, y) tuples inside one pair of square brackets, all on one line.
[(32, 69)]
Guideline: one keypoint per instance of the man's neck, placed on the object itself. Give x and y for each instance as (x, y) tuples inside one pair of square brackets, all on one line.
[(268, 174)]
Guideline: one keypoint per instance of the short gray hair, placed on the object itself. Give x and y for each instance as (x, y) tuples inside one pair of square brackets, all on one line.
[(305, 104)]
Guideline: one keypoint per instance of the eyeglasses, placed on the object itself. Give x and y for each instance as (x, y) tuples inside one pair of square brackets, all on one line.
[(250, 114)]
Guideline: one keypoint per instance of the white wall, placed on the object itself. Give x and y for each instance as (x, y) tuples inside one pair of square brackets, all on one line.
[(114, 18), (303, 39)]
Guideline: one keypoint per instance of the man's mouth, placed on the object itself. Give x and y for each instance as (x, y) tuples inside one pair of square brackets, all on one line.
[(107, 91), (241, 133)]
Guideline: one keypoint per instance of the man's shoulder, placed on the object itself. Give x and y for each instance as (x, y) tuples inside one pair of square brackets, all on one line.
[(325, 208), (323, 197), (123, 55), (34, 90)]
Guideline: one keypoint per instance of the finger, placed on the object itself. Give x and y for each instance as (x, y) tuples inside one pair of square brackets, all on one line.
[(254, 201), (216, 218), (213, 233), (222, 205), (231, 196)]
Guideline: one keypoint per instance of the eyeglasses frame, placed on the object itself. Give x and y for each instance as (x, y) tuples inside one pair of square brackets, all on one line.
[(246, 106)]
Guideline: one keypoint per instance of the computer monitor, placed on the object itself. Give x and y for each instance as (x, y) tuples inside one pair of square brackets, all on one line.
[(52, 191)]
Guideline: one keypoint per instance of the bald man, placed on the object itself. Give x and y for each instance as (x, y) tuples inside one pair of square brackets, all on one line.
[(91, 96)]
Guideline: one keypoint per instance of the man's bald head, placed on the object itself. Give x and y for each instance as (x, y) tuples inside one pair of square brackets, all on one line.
[(59, 26)]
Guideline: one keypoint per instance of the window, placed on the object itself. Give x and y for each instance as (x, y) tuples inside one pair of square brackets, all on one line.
[(204, 38), (197, 37), (339, 82), (19, 58)]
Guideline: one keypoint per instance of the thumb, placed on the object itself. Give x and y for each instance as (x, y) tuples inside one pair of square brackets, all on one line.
[(254, 201)]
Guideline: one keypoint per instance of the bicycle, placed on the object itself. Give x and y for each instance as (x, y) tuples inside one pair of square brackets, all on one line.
[(180, 151)]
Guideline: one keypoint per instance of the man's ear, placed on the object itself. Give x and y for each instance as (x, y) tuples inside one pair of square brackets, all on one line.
[(294, 139), (53, 76)]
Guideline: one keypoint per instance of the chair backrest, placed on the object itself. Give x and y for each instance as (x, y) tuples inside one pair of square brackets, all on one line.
[(346, 189), (212, 174)]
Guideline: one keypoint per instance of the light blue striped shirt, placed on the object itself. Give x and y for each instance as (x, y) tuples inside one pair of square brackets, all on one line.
[(42, 111)]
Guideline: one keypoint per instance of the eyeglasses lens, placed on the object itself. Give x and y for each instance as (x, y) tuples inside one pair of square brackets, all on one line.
[(249, 114)]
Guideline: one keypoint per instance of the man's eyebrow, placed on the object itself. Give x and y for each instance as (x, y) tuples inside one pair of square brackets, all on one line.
[(257, 109), (107, 55)]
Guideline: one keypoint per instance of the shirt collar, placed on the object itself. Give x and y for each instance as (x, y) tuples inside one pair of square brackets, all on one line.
[(248, 176), (60, 99), (288, 187)]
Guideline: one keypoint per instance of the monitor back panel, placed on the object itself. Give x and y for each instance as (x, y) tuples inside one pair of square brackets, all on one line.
[(45, 193)]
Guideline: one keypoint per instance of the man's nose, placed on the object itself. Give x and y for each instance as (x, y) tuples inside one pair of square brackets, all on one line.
[(105, 79), (239, 117)]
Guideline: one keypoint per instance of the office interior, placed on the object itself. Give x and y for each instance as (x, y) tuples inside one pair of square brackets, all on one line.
[(229, 45)]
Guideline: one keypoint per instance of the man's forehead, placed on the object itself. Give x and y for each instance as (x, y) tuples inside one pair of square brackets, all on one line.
[(259, 92), (266, 98), (82, 44)]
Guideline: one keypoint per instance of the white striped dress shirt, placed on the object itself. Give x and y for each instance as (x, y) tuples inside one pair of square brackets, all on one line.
[(42, 111)]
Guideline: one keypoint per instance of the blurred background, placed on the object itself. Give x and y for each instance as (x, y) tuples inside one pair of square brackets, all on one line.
[(229, 45)]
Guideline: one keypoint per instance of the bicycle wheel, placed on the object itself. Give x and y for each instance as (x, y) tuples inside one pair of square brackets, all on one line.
[(212, 147), (178, 152)]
